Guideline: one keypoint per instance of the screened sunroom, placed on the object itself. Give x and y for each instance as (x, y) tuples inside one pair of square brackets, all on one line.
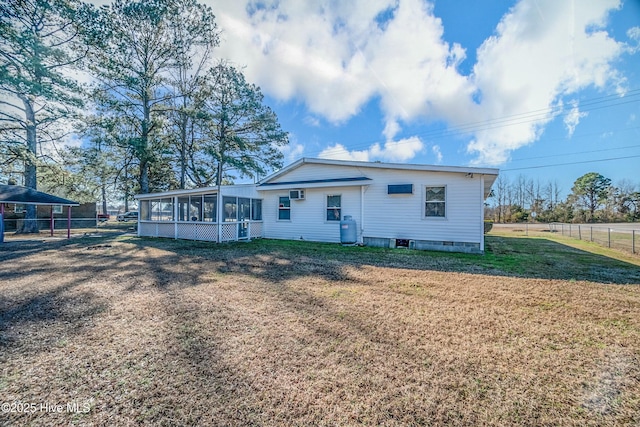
[(217, 214)]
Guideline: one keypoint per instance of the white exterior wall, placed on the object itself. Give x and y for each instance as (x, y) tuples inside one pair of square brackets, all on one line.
[(308, 217), (400, 216)]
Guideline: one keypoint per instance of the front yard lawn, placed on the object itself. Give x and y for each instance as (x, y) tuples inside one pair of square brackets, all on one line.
[(161, 332)]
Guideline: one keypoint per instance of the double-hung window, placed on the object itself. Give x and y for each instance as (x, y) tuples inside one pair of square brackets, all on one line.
[(435, 202), (334, 207), (284, 208)]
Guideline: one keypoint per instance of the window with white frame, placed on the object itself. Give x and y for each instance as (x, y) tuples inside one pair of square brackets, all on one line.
[(56, 209), (435, 202), (18, 208), (284, 208), (334, 207)]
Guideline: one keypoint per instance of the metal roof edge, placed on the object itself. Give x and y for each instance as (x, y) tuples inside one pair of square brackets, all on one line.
[(380, 165)]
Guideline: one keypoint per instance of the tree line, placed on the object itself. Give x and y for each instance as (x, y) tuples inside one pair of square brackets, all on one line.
[(137, 84), (593, 198)]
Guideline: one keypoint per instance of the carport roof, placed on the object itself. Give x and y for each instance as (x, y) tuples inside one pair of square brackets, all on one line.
[(29, 196)]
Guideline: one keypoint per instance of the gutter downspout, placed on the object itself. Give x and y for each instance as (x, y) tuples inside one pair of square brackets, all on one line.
[(482, 213), (361, 239)]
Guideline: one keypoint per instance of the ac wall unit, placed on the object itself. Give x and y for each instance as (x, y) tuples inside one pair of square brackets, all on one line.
[(296, 194)]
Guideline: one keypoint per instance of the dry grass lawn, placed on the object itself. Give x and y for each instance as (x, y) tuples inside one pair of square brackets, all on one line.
[(158, 332)]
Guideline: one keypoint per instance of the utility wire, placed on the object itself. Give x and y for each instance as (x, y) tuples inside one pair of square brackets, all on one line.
[(574, 154), (591, 104), (569, 163)]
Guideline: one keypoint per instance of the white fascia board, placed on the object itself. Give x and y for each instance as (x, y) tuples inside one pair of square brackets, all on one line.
[(293, 186), (203, 190)]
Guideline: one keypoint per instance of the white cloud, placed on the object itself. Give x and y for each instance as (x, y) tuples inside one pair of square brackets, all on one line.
[(340, 152), (391, 151), (336, 56), (572, 118), (436, 151), (543, 51), (292, 151), (312, 121)]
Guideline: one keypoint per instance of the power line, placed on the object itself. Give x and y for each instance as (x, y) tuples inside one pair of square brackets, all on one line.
[(521, 118), (570, 163), (574, 154)]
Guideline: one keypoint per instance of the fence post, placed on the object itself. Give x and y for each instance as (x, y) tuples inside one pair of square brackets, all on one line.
[(570, 235), (591, 234), (633, 241), (579, 233), (609, 236), (562, 229)]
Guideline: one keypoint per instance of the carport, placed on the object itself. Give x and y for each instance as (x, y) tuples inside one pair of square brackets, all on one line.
[(28, 196)]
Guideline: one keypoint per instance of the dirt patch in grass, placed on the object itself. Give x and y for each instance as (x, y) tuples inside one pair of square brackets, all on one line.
[(157, 332)]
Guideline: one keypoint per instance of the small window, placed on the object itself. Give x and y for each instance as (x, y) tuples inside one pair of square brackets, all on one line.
[(284, 208), (56, 209), (435, 204), (334, 207), (18, 208)]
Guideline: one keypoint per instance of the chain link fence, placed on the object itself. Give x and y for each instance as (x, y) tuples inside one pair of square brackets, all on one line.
[(623, 238)]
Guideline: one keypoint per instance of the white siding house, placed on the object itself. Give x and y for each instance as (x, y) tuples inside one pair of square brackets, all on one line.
[(417, 206)]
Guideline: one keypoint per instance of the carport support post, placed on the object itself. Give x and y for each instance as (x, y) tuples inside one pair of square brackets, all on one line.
[(69, 222), (51, 225), (1, 222)]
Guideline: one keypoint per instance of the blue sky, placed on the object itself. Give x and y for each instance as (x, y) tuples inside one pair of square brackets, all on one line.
[(508, 84)]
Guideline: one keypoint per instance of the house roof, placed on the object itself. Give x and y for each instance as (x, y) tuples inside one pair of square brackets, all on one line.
[(29, 196), (200, 190), (312, 182), (490, 173)]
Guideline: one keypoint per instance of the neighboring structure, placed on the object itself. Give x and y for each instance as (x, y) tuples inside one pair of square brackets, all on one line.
[(16, 196), (393, 205)]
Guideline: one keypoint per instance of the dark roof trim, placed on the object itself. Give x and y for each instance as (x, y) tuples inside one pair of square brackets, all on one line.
[(316, 181), (29, 196)]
